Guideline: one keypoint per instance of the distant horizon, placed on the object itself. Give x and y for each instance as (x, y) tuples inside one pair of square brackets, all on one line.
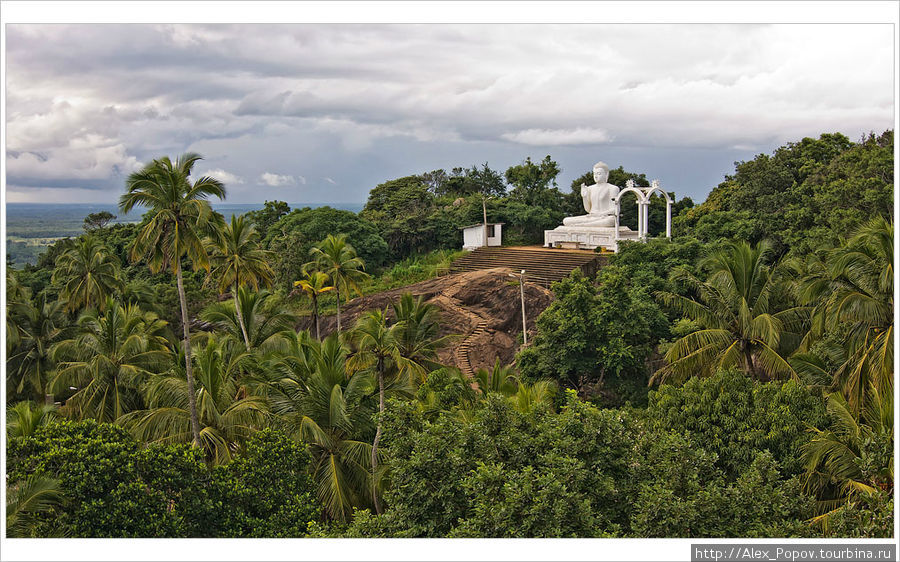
[(17, 212), (213, 203)]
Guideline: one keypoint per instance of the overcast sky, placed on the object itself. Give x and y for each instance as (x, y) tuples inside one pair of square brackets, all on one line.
[(323, 113)]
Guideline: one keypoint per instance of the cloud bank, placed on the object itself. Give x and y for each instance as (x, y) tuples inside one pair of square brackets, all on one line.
[(356, 105)]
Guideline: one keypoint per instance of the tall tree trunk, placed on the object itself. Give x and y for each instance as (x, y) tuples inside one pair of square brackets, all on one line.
[(748, 357), (338, 293), (375, 499), (315, 299), (185, 323), (240, 317)]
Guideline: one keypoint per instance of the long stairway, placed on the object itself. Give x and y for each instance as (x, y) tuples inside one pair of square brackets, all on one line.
[(463, 360), (461, 352), (541, 265)]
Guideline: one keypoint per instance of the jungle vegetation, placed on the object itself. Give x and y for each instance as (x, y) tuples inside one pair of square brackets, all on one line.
[(169, 378)]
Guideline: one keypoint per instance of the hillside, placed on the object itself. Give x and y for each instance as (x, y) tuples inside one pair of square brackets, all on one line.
[(482, 307)]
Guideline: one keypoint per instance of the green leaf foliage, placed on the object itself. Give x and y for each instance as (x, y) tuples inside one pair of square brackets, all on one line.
[(680, 492), (730, 415), (114, 487), (266, 491), (505, 473), (805, 194), (589, 335), (294, 234)]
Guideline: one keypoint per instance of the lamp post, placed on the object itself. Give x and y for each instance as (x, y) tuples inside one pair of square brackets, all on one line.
[(521, 277), (522, 293), (484, 210)]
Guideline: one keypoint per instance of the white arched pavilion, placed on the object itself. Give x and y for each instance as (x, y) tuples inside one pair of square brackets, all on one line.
[(643, 202)]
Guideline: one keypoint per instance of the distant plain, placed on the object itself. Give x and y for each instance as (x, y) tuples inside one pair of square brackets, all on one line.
[(31, 227)]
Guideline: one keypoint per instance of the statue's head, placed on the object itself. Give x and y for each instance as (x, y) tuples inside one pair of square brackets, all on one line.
[(601, 172)]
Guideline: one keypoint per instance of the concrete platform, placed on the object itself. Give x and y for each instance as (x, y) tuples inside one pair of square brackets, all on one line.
[(587, 238)]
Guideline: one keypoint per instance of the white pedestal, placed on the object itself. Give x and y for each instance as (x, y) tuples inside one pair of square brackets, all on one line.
[(587, 238)]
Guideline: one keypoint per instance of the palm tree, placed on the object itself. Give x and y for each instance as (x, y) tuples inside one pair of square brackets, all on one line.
[(108, 360), (501, 379), (252, 318), (735, 309), (530, 396), (228, 412), (854, 456), (179, 219), (89, 273), (335, 257), (525, 397), (16, 293), (39, 325), (23, 419), (454, 395), (417, 335), (377, 350), (27, 500), (317, 402), (142, 294), (239, 261), (314, 284), (852, 288)]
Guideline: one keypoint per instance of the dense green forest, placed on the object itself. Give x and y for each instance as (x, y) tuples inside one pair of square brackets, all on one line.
[(168, 378)]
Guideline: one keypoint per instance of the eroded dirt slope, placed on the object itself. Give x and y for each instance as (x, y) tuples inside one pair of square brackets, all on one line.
[(482, 307)]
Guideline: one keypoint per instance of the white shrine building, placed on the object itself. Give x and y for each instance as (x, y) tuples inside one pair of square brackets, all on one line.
[(474, 236)]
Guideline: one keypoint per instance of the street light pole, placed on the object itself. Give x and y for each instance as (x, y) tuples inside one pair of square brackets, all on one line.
[(484, 210), (521, 277), (522, 293)]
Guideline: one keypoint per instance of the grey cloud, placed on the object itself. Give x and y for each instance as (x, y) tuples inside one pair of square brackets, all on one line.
[(86, 103)]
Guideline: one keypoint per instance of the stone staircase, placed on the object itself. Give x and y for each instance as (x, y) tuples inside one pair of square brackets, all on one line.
[(541, 265), (462, 350)]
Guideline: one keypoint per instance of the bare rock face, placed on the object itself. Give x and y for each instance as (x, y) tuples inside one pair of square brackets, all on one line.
[(483, 308)]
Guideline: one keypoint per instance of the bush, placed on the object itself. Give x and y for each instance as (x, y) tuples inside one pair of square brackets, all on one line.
[(589, 336), (504, 473), (292, 236), (115, 488), (266, 491), (735, 418), (680, 492)]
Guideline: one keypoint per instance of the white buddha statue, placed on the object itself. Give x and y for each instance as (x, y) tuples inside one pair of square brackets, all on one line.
[(599, 201)]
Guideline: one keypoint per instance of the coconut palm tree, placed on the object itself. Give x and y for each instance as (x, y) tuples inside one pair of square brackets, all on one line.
[(108, 359), (317, 402), (851, 288), (23, 418), (853, 456), (27, 500), (530, 396), (178, 221), (417, 335), (525, 397), (336, 257), (228, 412), (252, 318), (376, 350), (239, 261), (38, 326), (454, 394), (16, 293), (313, 284), (501, 379), (89, 273), (740, 323), (142, 294)]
